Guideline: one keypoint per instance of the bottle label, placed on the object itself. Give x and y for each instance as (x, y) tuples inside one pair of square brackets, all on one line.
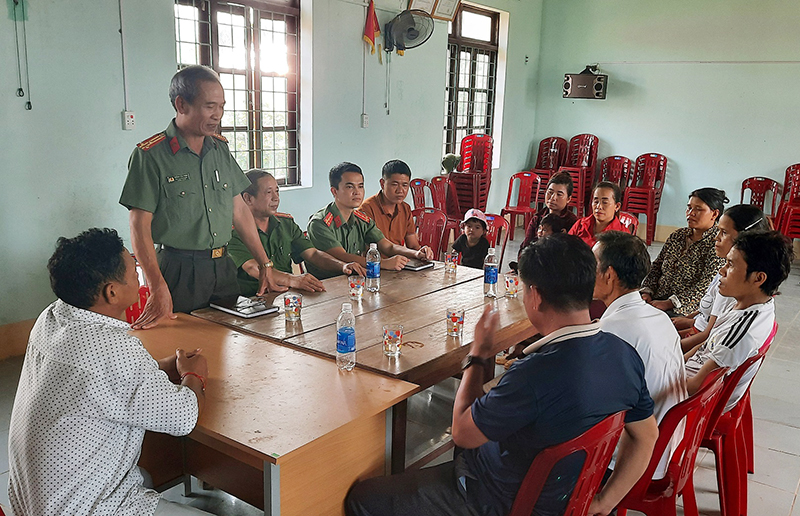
[(490, 275), (345, 340), (373, 270)]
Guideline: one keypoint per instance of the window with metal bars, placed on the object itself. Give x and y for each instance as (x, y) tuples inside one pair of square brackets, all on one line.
[(254, 46), (471, 75)]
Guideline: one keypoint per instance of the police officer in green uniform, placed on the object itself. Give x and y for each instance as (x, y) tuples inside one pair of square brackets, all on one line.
[(283, 240), (344, 232), (182, 191)]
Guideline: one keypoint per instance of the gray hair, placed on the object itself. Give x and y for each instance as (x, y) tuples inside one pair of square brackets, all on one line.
[(186, 82)]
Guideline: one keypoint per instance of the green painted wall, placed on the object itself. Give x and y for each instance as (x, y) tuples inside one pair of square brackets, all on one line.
[(63, 163), (671, 91)]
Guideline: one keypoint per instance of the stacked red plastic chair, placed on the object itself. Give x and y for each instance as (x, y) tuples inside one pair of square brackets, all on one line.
[(552, 154), (497, 234), (430, 224), (616, 169), (659, 497), (630, 222), (788, 220), (580, 164), (445, 199), (597, 443), (759, 186), (474, 173), (530, 185), (135, 310), (643, 193), (725, 436), (418, 187)]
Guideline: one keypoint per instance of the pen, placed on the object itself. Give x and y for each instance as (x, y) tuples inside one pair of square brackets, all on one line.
[(216, 173)]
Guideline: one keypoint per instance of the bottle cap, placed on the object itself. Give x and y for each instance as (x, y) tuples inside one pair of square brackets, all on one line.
[(491, 250), (347, 307), (373, 245)]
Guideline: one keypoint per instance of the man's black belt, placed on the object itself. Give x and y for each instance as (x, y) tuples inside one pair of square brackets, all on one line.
[(217, 252)]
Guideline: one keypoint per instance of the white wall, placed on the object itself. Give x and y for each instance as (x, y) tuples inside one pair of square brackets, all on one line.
[(63, 163), (700, 81)]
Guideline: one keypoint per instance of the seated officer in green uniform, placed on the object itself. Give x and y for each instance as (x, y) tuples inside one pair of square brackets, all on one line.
[(182, 191), (345, 233), (283, 240)]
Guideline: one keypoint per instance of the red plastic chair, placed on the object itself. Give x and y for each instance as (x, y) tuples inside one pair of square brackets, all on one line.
[(1, 511), (418, 187), (630, 222), (747, 415), (643, 193), (135, 310), (552, 154), (616, 169), (788, 219), (580, 163), (445, 199), (530, 185), (430, 228), (725, 437), (497, 233), (659, 497), (759, 186), (598, 443), (476, 154)]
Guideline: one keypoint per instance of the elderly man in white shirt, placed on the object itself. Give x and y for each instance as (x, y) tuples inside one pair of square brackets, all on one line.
[(622, 264), (89, 390)]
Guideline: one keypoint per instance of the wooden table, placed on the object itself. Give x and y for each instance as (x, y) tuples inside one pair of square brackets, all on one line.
[(418, 301), (281, 429)]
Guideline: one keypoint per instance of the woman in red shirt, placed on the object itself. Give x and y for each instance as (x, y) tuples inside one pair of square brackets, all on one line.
[(606, 202)]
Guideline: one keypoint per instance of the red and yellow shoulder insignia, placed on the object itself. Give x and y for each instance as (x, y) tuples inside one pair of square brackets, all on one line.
[(363, 216), (220, 138), (284, 215), (152, 141), (328, 220)]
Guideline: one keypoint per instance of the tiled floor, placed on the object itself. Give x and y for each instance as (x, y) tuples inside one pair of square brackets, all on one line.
[(772, 489)]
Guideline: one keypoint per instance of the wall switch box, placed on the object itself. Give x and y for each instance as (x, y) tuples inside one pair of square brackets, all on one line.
[(128, 121)]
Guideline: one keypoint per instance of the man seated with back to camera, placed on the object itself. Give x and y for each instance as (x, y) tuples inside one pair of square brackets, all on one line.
[(89, 390), (755, 267), (578, 376)]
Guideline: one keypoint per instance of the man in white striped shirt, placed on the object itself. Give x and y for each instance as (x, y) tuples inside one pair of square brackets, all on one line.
[(754, 269)]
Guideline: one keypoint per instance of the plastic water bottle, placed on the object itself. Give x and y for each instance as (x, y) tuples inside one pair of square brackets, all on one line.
[(346, 338), (373, 283), (490, 269)]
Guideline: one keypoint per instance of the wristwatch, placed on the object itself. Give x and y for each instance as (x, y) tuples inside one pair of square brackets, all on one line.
[(676, 303), (266, 265), (473, 360)]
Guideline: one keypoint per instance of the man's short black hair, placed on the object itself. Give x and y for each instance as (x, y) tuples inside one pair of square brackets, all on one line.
[(335, 175), (81, 266), (563, 269), (254, 174), (186, 83), (768, 252), (562, 178), (395, 166), (556, 223), (627, 254)]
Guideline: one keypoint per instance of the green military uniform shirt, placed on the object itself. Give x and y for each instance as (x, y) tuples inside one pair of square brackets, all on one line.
[(327, 230), (284, 242), (190, 196)]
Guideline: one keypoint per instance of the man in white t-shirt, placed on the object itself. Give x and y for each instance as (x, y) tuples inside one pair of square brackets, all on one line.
[(622, 264), (754, 269), (89, 390)]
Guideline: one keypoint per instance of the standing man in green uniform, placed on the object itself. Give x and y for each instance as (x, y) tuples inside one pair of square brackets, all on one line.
[(344, 233), (282, 239), (182, 191)]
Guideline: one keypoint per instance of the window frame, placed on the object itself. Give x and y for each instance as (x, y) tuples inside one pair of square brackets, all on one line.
[(208, 41)]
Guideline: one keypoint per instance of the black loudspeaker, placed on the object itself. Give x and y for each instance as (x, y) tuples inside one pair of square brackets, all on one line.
[(585, 86)]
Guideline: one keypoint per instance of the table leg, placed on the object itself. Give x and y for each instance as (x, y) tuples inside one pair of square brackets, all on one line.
[(272, 489), (399, 421)]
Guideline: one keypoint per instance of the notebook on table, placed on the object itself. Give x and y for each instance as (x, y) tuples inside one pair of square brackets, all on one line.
[(417, 265), (247, 307)]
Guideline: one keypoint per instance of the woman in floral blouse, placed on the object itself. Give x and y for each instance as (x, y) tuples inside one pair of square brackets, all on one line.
[(687, 263)]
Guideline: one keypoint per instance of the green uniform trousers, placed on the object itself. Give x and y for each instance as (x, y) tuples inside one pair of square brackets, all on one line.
[(195, 279)]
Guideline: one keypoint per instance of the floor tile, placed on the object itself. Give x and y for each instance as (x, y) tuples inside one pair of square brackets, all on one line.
[(776, 436), (776, 469), (766, 500), (775, 410)]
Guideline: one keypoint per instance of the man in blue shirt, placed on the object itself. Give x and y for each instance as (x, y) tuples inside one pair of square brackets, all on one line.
[(577, 376)]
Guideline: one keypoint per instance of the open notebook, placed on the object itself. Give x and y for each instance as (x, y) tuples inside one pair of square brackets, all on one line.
[(417, 265), (246, 307)]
